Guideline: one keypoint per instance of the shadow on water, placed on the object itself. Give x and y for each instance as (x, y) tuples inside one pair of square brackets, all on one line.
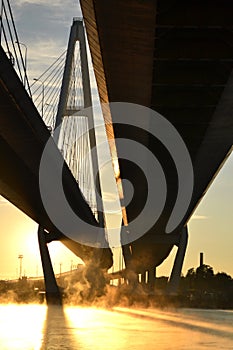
[(57, 332), (183, 322)]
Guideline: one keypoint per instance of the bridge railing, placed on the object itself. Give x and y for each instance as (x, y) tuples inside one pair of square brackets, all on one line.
[(11, 44)]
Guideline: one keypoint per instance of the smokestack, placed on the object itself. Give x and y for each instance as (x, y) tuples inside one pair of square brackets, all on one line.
[(201, 259)]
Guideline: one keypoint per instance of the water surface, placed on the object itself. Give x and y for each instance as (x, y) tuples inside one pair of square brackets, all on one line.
[(36, 327)]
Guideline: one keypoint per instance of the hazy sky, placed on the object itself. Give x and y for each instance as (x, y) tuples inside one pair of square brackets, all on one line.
[(44, 27)]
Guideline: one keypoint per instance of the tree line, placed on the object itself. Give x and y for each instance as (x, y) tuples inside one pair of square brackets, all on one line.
[(201, 287)]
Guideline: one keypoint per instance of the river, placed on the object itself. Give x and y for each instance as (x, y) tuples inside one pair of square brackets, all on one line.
[(36, 327)]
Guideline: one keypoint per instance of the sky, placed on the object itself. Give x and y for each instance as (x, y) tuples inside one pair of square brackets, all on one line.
[(44, 28)]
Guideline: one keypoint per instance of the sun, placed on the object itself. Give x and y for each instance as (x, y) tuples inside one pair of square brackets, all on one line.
[(55, 250), (59, 254)]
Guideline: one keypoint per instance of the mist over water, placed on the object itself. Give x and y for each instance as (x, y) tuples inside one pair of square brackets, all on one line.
[(38, 327)]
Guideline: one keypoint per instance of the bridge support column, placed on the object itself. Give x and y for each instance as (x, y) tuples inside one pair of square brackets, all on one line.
[(53, 295), (174, 280), (151, 278), (143, 278)]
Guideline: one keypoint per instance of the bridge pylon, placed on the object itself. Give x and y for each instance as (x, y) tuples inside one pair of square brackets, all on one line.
[(67, 106), (75, 97), (52, 292)]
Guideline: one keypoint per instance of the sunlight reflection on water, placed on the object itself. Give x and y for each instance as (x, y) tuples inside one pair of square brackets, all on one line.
[(36, 327), (21, 327)]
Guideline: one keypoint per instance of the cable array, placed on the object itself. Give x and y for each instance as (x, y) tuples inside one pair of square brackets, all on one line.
[(75, 147), (73, 141), (46, 91)]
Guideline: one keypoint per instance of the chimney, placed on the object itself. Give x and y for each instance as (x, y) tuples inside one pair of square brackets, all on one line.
[(201, 258)]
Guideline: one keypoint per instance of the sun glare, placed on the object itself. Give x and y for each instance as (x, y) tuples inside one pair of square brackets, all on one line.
[(62, 258), (32, 244), (55, 249), (20, 321), (116, 168)]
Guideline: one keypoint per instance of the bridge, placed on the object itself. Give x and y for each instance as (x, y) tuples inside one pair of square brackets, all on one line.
[(170, 56), (24, 136), (176, 58)]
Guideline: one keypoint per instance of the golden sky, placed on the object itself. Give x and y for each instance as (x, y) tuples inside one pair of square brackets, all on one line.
[(44, 27)]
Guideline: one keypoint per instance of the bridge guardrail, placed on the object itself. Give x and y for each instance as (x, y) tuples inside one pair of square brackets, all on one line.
[(11, 44)]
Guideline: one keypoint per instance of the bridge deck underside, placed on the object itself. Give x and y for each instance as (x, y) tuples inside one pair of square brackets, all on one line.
[(175, 57), (23, 136)]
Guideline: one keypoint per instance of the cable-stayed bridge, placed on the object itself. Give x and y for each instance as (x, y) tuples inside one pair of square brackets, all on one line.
[(169, 56), (25, 131)]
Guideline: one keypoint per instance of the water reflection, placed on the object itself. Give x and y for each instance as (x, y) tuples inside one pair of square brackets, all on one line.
[(21, 326), (36, 327), (56, 331)]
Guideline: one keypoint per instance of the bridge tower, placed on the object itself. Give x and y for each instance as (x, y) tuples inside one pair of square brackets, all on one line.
[(65, 110)]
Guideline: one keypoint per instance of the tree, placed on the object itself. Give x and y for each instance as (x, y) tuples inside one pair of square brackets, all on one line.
[(204, 277), (190, 278), (222, 281)]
